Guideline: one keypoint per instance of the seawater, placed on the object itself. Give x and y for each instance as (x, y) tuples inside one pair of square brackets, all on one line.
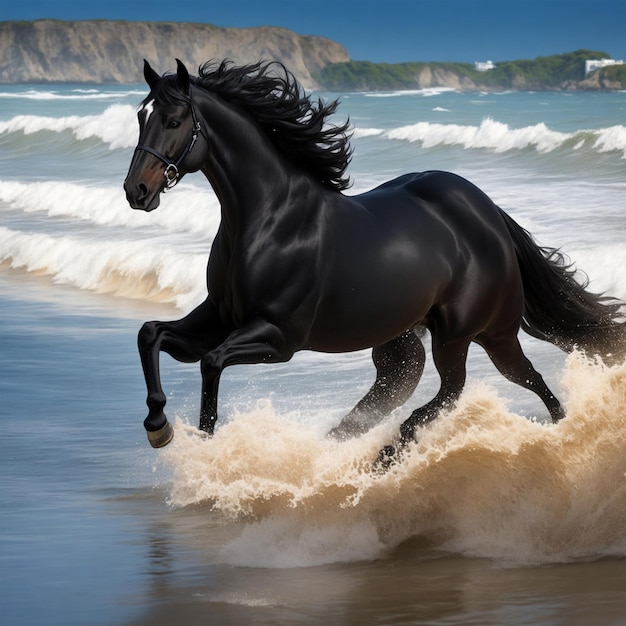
[(492, 514)]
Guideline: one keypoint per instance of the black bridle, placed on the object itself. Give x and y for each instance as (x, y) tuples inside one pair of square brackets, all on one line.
[(172, 173)]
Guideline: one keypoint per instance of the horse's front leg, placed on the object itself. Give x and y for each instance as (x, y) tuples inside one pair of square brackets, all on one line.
[(149, 342), (186, 340), (258, 342), (208, 400)]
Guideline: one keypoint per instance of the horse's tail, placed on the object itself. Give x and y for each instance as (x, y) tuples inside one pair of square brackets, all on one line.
[(559, 309)]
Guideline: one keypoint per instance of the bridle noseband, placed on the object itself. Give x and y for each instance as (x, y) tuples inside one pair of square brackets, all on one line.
[(172, 173)]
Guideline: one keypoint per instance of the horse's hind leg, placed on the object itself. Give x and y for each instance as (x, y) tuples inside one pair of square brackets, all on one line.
[(450, 356), (507, 355), (399, 366)]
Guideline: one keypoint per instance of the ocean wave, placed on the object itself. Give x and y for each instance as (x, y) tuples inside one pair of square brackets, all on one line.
[(426, 92), (131, 269), (360, 133), (74, 94), (611, 139), (499, 137), (115, 126), (190, 209), (480, 481)]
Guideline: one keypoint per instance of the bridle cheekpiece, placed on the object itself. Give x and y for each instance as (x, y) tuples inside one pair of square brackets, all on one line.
[(172, 173)]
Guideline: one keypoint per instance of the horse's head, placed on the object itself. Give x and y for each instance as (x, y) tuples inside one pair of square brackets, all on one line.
[(168, 130)]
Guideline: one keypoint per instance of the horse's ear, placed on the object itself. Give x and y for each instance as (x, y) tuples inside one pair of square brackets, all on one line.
[(182, 77), (152, 78)]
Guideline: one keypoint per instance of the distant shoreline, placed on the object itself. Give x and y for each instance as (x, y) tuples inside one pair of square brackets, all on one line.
[(112, 52), (562, 72)]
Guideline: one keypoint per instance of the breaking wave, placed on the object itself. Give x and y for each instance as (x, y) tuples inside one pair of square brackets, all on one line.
[(132, 269), (499, 137), (191, 209), (77, 94), (117, 128), (148, 269)]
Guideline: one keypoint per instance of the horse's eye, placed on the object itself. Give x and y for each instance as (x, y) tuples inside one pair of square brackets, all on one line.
[(173, 124)]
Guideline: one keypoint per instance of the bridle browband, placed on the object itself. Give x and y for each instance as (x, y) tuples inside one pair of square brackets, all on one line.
[(172, 173)]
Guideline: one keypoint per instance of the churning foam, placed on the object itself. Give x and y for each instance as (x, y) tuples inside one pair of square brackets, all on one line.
[(480, 481)]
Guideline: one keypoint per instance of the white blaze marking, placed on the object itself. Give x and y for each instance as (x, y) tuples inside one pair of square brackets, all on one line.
[(148, 109)]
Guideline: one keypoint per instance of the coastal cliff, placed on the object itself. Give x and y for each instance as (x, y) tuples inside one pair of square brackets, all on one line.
[(54, 51), (45, 51)]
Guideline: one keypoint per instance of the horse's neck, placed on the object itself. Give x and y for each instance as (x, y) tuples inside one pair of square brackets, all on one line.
[(247, 172)]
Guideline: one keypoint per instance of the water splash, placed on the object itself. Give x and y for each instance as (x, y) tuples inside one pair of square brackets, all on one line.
[(480, 481)]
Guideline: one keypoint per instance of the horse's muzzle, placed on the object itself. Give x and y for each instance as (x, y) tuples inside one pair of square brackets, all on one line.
[(139, 197)]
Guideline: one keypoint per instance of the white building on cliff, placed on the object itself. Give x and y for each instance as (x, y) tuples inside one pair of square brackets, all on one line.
[(595, 64), (483, 66)]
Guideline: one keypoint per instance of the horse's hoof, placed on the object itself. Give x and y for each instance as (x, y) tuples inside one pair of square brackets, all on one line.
[(385, 459), (160, 438)]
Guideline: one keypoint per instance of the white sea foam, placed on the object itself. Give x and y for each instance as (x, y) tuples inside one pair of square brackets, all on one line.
[(605, 266), (610, 139), (116, 125), (190, 209), (359, 133), (426, 92), (490, 135), (133, 269), (73, 95), (499, 137)]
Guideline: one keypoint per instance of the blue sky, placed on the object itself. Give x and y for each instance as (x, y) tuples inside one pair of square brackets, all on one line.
[(385, 30)]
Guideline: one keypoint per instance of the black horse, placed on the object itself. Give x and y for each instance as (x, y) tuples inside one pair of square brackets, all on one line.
[(298, 265)]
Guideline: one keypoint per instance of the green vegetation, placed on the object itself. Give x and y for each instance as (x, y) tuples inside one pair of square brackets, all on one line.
[(614, 73), (365, 76), (368, 76), (542, 73)]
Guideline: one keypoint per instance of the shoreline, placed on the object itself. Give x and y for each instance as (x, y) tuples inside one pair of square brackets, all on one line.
[(49, 51)]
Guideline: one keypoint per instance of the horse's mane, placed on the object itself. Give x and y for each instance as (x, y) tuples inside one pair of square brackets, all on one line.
[(293, 120)]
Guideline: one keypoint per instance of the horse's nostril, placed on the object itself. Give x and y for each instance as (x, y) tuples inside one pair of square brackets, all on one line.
[(143, 191)]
